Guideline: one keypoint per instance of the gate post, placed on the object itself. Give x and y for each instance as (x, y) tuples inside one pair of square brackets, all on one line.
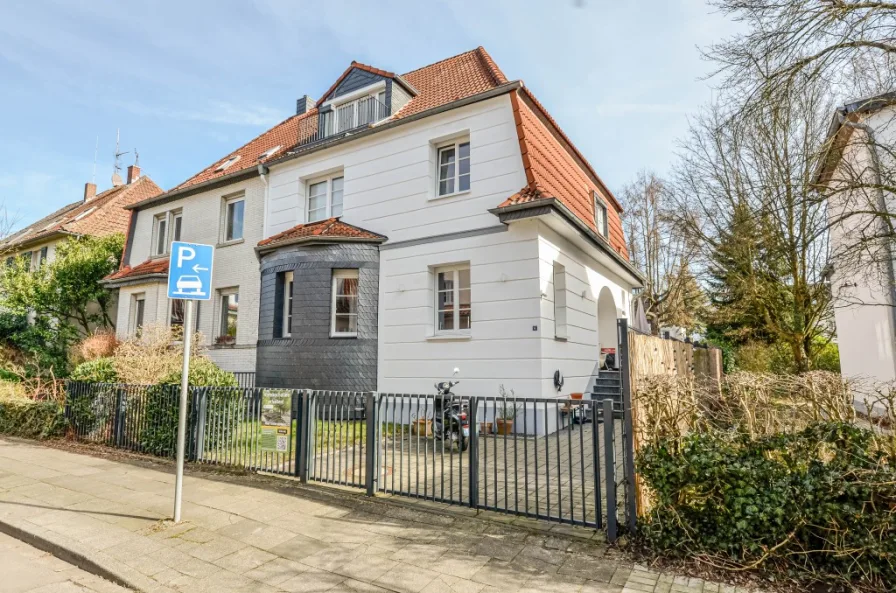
[(473, 465), (201, 414), (372, 447), (610, 469), (118, 419), (628, 434), (304, 428)]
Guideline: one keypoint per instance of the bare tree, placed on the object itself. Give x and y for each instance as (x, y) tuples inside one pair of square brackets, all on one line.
[(745, 197), (671, 295), (849, 44)]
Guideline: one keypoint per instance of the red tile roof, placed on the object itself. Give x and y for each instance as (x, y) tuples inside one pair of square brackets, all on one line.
[(147, 268), (100, 216), (331, 228), (556, 169)]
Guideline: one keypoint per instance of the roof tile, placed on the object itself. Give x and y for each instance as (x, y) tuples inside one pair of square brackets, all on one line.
[(325, 229), (149, 267)]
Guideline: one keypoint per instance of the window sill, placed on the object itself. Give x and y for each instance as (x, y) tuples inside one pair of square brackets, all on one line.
[(560, 338), (454, 195), (344, 336), (229, 243), (449, 338)]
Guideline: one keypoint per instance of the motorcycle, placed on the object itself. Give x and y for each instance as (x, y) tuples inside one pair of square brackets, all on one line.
[(451, 419)]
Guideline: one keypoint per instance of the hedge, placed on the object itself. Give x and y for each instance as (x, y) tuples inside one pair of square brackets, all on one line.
[(27, 418)]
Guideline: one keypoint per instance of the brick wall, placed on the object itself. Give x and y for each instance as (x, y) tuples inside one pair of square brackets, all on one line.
[(310, 358)]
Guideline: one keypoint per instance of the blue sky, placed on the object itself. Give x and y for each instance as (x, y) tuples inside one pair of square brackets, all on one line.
[(187, 82)]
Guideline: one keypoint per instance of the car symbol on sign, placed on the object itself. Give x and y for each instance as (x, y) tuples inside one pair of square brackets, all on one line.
[(189, 285)]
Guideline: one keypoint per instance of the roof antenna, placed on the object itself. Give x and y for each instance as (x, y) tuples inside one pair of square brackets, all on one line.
[(136, 158), (95, 151), (116, 170)]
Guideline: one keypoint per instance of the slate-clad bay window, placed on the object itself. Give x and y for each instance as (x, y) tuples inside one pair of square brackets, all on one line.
[(287, 304), (325, 198), (230, 309), (344, 305), (454, 168), (234, 209), (453, 304), (600, 215)]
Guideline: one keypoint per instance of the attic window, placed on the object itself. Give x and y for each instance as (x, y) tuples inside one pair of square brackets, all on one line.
[(85, 213), (268, 152), (226, 164)]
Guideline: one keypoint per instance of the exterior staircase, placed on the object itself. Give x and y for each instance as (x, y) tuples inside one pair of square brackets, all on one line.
[(608, 385)]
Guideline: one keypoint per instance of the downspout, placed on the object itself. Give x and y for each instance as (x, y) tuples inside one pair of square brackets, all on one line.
[(263, 174), (886, 226)]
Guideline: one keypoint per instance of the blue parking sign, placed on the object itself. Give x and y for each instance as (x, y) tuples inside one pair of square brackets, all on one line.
[(190, 271)]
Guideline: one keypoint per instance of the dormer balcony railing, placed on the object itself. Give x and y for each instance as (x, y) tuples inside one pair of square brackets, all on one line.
[(342, 120)]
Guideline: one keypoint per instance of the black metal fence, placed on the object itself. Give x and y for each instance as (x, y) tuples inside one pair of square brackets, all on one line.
[(556, 459)]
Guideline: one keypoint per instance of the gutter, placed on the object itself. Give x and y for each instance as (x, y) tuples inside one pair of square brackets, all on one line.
[(128, 280), (595, 238), (262, 249), (885, 224), (299, 152)]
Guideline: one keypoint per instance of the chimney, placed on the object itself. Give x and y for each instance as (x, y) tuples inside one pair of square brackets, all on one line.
[(304, 105), (133, 174), (89, 191)]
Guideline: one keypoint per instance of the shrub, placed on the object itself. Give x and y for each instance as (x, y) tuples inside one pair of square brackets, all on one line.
[(101, 370), (817, 503), (162, 403), (24, 417), (100, 344), (153, 356)]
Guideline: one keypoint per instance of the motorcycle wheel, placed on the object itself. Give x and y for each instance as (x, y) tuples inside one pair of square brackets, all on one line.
[(464, 443)]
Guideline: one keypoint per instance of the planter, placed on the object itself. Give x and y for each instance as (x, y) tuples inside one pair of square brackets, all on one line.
[(576, 395), (486, 428), (422, 427), (505, 427)]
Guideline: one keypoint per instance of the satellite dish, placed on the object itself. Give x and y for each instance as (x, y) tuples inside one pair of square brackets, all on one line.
[(116, 180)]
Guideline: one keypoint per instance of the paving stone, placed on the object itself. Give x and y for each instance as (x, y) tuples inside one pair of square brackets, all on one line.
[(244, 560)]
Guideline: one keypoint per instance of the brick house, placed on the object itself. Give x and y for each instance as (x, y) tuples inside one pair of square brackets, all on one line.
[(396, 228)]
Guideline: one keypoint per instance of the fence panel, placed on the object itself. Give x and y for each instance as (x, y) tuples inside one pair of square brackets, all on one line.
[(337, 421)]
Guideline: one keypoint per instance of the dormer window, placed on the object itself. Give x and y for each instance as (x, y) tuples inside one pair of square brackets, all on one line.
[(228, 163), (360, 112), (600, 214)]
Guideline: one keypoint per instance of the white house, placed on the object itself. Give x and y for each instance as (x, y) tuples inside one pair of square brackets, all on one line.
[(397, 228), (858, 163)]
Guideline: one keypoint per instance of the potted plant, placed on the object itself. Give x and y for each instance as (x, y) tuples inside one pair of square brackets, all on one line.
[(225, 340), (506, 412), (422, 426)]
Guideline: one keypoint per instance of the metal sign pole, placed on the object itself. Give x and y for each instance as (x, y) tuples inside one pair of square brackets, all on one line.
[(182, 414)]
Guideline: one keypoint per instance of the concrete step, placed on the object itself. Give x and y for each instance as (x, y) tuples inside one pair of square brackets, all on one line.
[(608, 382)]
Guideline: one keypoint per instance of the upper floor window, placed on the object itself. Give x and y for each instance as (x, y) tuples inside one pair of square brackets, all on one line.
[(600, 214), (454, 168), (453, 304), (234, 209), (360, 112), (344, 307), (325, 199), (167, 229)]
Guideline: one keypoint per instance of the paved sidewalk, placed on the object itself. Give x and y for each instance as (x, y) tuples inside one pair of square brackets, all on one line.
[(249, 533), (28, 570)]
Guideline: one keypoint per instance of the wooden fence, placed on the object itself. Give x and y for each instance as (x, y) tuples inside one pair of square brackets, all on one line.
[(650, 356)]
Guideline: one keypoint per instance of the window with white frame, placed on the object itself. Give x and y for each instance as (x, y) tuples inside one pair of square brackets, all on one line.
[(454, 168), (138, 307), (325, 198), (234, 210), (559, 301), (344, 305), (177, 317), (360, 112), (42, 258), (230, 311), (287, 304), (600, 214), (167, 228), (453, 304)]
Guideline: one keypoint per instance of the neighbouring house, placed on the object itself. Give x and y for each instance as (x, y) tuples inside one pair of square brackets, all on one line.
[(856, 166), (96, 214), (396, 228)]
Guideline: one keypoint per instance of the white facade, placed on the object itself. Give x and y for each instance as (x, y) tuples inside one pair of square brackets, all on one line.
[(390, 188), (863, 303), (236, 268)]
